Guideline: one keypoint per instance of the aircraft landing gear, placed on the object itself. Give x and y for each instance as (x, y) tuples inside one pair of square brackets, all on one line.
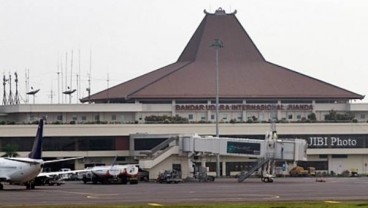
[(30, 185), (94, 180)]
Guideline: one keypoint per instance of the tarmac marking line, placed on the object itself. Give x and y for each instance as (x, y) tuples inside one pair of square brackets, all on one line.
[(89, 195), (155, 204), (332, 202)]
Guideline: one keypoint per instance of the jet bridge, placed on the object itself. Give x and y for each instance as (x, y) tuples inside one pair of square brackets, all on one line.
[(271, 147), (267, 151)]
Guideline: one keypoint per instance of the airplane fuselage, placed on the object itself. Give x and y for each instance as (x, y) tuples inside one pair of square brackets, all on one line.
[(19, 172)]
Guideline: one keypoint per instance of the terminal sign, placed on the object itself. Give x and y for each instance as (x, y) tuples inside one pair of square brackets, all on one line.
[(244, 148), (244, 107)]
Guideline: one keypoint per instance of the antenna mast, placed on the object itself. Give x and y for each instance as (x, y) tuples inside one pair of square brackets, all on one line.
[(4, 96), (62, 79), (51, 95), (27, 85), (10, 99), (71, 70), (79, 75), (108, 87), (89, 77), (66, 73), (58, 82), (16, 97)]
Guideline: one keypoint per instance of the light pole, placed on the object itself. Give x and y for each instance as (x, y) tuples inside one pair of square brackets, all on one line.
[(217, 44)]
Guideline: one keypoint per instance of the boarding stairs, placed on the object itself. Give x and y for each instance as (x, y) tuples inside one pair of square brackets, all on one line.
[(159, 153), (159, 148), (244, 175)]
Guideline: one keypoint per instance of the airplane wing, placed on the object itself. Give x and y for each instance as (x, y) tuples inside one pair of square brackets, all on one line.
[(52, 178), (35, 162), (25, 160), (58, 173), (61, 160)]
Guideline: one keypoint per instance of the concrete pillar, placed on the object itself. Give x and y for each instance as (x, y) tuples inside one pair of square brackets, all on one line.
[(244, 113), (279, 116), (173, 109), (209, 111), (223, 168), (314, 106), (203, 162)]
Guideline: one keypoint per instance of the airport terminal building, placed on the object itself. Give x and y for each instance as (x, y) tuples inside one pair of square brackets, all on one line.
[(180, 99)]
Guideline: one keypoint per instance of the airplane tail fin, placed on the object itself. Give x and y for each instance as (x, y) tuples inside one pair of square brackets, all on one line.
[(37, 144)]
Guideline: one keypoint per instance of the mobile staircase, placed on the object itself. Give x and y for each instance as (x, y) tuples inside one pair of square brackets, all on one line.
[(159, 153), (246, 174)]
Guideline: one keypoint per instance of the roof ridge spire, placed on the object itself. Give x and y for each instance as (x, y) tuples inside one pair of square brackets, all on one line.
[(219, 11)]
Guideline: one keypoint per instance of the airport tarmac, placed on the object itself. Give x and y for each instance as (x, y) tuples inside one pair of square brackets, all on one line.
[(222, 190)]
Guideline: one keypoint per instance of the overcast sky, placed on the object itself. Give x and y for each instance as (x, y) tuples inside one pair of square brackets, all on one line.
[(324, 39)]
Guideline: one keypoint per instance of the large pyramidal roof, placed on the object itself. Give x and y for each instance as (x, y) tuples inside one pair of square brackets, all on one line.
[(243, 72)]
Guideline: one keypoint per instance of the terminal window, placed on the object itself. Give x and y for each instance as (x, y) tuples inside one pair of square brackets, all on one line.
[(97, 117), (147, 143), (339, 156)]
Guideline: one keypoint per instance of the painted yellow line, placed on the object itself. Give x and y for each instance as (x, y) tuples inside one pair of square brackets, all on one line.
[(155, 205), (332, 202)]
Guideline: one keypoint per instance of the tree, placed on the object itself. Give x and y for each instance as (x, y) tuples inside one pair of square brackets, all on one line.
[(10, 150), (312, 117), (331, 116), (334, 116)]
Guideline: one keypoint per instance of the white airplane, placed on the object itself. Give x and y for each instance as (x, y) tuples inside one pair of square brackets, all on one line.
[(112, 174), (24, 170)]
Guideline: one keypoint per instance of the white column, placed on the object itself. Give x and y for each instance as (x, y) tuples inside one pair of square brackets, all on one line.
[(173, 109), (244, 113)]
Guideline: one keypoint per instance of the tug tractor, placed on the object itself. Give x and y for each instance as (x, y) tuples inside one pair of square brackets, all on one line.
[(299, 171), (267, 179), (200, 173), (169, 176)]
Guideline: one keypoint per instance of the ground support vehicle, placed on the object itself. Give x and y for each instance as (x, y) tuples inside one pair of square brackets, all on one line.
[(50, 181), (169, 176), (90, 177), (200, 174), (298, 171)]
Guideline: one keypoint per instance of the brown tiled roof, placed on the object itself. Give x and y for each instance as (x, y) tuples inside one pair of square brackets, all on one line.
[(243, 72)]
